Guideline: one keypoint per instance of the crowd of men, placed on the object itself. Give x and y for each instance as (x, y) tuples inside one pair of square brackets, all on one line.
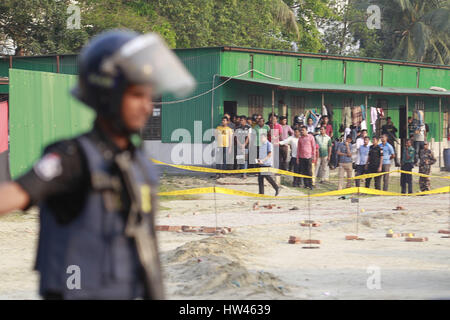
[(251, 142)]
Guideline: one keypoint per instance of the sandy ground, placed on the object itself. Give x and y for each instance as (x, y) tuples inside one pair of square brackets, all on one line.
[(256, 262)]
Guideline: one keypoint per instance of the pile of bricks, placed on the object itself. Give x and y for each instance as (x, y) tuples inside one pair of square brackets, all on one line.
[(416, 239), (297, 240), (212, 230)]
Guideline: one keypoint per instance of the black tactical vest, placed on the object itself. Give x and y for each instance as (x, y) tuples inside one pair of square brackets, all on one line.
[(95, 243)]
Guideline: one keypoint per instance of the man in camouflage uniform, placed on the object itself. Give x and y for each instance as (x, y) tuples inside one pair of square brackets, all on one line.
[(427, 159)]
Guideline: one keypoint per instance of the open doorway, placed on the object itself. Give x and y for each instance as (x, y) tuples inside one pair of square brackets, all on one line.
[(230, 107)]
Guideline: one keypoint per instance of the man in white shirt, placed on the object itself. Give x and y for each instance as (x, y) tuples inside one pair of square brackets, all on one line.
[(292, 141), (311, 126), (266, 160)]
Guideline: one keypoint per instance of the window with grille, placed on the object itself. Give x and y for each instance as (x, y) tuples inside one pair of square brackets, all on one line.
[(420, 105), (152, 129), (297, 107), (255, 105)]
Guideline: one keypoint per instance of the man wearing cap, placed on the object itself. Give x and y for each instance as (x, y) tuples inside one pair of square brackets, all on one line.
[(97, 192)]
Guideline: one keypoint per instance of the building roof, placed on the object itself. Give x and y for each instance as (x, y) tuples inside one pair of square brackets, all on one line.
[(324, 56), (279, 52), (326, 87)]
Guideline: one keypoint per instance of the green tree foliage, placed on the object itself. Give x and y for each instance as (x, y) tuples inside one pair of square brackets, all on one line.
[(139, 15), (252, 23), (417, 30), (309, 14), (37, 27), (346, 32), (413, 30)]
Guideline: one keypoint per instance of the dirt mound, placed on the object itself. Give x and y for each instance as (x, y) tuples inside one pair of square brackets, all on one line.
[(212, 246), (214, 265)]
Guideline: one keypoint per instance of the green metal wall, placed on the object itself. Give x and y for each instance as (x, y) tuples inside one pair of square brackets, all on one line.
[(434, 77), (203, 64), (365, 74), (44, 114), (319, 70), (399, 76), (322, 71), (67, 65)]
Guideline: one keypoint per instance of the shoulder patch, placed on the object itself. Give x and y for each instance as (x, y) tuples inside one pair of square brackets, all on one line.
[(49, 167)]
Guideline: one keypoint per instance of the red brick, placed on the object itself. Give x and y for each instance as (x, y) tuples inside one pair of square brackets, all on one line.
[(174, 228), (208, 229), (162, 228), (444, 231), (294, 238), (310, 241), (416, 239), (351, 237), (294, 241)]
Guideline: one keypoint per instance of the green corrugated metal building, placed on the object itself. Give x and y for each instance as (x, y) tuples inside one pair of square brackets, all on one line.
[(298, 81), (304, 81)]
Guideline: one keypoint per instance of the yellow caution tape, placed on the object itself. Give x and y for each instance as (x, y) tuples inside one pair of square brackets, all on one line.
[(347, 191), (253, 170), (286, 173)]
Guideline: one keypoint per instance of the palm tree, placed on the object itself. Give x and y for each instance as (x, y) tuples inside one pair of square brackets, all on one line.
[(285, 16), (421, 30)]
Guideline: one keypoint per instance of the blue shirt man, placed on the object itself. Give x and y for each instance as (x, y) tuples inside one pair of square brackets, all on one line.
[(343, 149), (264, 150), (388, 151), (388, 154), (363, 154)]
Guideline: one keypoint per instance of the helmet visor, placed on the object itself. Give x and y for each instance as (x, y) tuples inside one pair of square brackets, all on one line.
[(147, 60)]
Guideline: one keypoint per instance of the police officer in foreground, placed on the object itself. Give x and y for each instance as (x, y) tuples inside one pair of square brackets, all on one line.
[(96, 192)]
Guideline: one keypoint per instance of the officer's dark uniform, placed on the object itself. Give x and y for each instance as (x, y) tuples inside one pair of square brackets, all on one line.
[(84, 210), (427, 159), (373, 163), (97, 202)]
